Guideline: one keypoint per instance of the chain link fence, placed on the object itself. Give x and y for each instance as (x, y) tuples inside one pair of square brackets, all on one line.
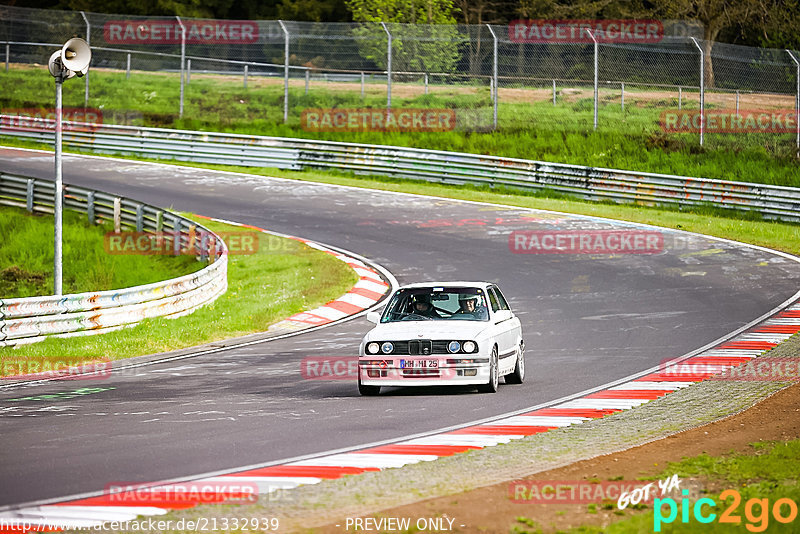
[(154, 70)]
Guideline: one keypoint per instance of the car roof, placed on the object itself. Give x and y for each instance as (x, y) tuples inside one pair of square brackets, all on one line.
[(418, 285)]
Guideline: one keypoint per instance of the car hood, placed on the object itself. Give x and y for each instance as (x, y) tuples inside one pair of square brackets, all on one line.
[(427, 330)]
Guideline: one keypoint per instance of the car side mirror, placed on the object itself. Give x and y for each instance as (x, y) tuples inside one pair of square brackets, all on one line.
[(373, 317), (502, 315)]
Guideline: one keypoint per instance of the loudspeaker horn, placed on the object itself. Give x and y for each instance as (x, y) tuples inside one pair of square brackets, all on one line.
[(76, 55)]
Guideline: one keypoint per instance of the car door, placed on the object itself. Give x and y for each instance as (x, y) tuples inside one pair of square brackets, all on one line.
[(506, 327)]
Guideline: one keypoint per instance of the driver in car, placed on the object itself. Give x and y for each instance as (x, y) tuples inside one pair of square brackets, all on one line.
[(421, 305), (468, 305)]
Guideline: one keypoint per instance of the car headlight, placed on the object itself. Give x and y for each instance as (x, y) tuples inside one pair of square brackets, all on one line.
[(387, 347), (373, 348), (453, 347), (469, 346)]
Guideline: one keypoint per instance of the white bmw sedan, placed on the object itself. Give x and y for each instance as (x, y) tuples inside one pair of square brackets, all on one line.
[(442, 333)]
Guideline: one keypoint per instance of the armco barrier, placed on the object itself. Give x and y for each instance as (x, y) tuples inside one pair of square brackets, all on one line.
[(27, 320), (773, 202)]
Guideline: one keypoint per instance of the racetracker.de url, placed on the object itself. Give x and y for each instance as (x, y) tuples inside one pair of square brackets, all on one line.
[(202, 524)]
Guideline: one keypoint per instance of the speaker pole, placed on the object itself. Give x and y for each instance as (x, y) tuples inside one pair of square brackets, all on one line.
[(59, 194)]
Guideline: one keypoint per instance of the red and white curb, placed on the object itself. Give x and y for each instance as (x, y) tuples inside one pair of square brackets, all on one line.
[(729, 354), (369, 289)]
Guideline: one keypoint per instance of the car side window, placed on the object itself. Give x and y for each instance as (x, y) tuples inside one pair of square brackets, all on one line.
[(493, 300), (500, 298)]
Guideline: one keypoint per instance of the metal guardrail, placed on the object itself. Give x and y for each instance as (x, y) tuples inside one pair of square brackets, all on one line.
[(27, 320), (590, 183)]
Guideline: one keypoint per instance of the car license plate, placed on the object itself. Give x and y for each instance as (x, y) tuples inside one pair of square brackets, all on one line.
[(419, 364)]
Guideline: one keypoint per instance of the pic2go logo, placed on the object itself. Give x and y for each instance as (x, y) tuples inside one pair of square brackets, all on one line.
[(756, 511)]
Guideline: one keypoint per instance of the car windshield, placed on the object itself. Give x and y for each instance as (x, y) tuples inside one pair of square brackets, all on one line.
[(437, 304)]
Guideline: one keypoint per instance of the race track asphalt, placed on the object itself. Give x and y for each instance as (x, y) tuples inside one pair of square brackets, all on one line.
[(587, 320)]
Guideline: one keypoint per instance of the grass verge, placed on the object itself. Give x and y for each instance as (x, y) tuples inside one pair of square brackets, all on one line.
[(280, 279), (745, 486), (26, 257), (530, 126)]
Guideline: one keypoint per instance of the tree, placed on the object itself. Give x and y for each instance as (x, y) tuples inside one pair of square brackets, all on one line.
[(424, 35)]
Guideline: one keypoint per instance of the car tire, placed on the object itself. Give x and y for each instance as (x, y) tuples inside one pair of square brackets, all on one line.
[(517, 376), (494, 375), (368, 391)]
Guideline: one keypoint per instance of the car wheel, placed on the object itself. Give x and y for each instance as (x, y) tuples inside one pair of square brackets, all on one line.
[(494, 375), (368, 391), (518, 374)]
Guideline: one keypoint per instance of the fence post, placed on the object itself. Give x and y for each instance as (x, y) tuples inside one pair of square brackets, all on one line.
[(362, 84), (796, 100), (388, 68), (622, 95), (86, 76), (737, 101), (554, 93), (426, 83), (183, 61), (245, 76), (596, 64), (128, 68), (680, 98), (285, 71), (8, 54), (188, 71), (308, 76), (702, 91), (494, 77), (29, 195)]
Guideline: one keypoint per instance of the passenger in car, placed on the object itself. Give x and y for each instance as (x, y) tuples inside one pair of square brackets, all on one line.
[(468, 305)]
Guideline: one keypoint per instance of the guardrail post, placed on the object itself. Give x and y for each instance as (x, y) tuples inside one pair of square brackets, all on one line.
[(203, 245), (159, 221), (90, 208), (702, 91), (495, 87), (29, 195), (128, 68), (285, 72), (86, 76), (388, 67), (139, 218), (183, 61), (188, 71), (796, 100), (176, 230), (117, 215), (308, 76)]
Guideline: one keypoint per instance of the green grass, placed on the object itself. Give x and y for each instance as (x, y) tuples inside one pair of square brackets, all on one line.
[(282, 278), (26, 257), (769, 472), (529, 129)]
